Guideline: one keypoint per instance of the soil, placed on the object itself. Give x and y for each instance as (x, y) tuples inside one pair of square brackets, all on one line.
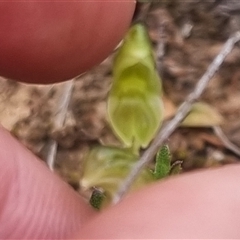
[(186, 35)]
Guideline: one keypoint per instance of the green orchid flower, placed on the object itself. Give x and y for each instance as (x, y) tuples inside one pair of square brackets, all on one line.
[(135, 106)]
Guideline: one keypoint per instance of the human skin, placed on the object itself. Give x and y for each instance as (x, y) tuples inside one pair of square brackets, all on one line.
[(36, 204), (200, 205), (45, 42), (51, 41)]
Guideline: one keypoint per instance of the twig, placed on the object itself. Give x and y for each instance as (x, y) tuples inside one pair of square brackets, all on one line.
[(51, 155), (229, 145), (60, 115), (161, 45), (183, 110)]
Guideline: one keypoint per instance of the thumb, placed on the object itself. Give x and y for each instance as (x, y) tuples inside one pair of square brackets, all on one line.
[(34, 203), (201, 205)]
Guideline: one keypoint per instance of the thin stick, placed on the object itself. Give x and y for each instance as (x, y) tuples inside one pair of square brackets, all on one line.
[(183, 110), (227, 143), (60, 116)]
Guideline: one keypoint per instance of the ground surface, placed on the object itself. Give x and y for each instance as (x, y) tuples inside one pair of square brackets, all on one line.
[(190, 34)]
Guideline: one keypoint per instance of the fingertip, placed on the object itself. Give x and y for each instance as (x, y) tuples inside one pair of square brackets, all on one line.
[(53, 41), (34, 202)]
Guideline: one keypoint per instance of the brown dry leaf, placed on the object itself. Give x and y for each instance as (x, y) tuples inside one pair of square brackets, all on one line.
[(202, 115), (13, 104), (169, 108), (17, 101)]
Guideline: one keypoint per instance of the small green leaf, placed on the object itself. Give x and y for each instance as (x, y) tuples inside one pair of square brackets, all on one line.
[(97, 199), (135, 106), (163, 163)]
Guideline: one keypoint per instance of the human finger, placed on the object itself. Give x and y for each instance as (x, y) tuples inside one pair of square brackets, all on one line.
[(201, 205), (35, 203), (51, 41)]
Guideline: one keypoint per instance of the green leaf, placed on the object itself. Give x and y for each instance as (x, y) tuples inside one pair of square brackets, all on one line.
[(163, 163), (97, 199), (202, 115), (135, 106), (107, 167)]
